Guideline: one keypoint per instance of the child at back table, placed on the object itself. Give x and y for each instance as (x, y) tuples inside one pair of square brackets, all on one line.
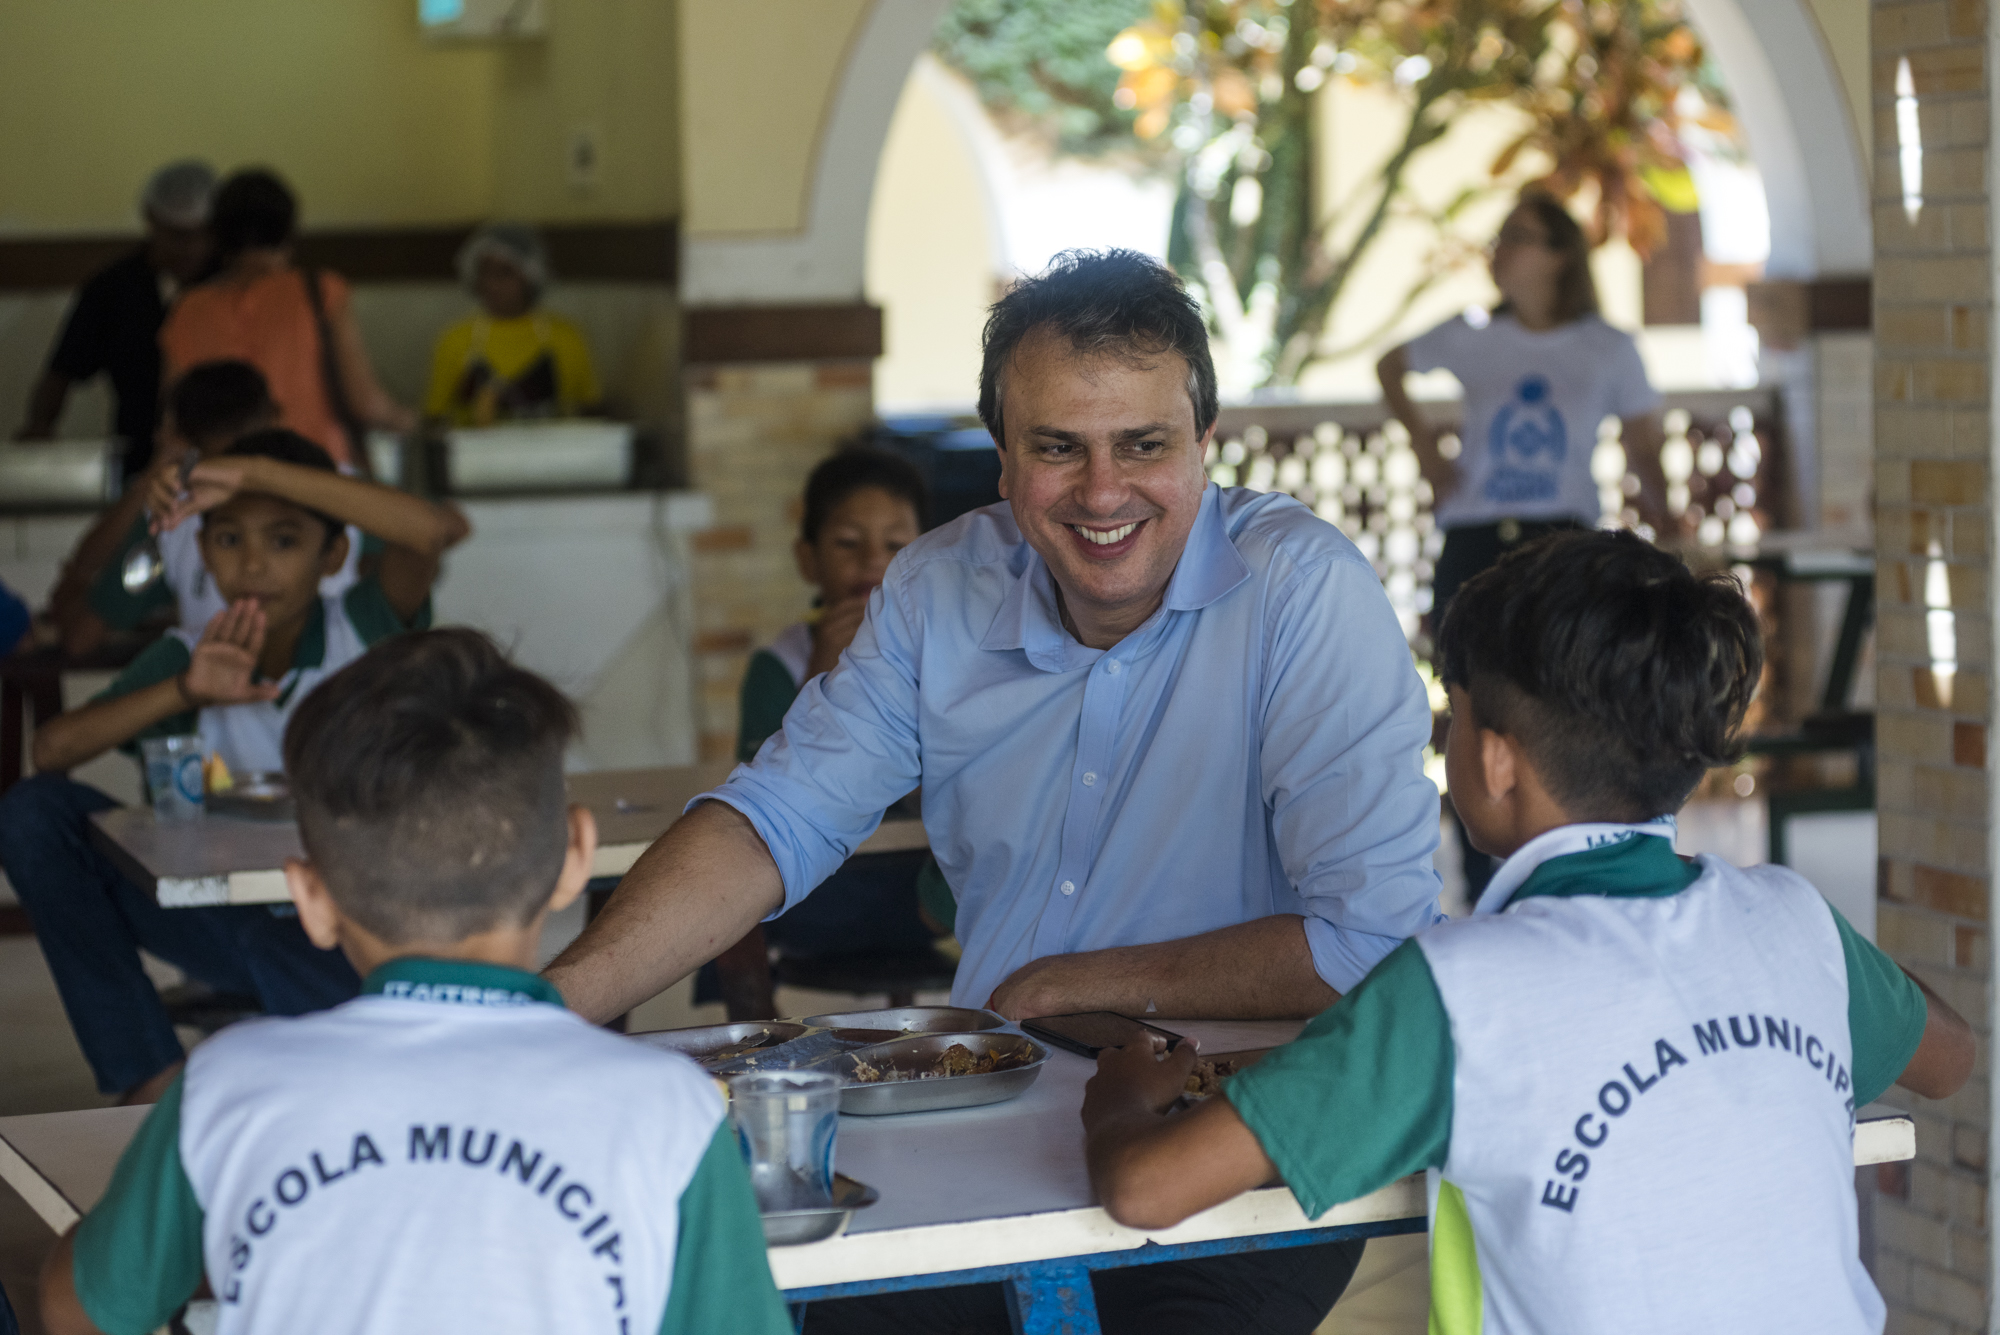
[(272, 516), (1631, 1077), (452, 1150)]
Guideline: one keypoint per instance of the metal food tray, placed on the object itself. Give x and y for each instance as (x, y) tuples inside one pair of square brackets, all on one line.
[(931, 1094), (788, 1228), (912, 1020), (703, 1042)]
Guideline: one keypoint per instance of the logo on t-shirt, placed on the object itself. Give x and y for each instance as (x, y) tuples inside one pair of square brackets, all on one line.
[(1528, 445)]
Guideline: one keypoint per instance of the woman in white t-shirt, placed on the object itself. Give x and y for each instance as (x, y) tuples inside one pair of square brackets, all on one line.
[(1540, 374)]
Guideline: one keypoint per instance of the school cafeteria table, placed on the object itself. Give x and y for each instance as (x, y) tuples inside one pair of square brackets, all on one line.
[(229, 860), (995, 1194)]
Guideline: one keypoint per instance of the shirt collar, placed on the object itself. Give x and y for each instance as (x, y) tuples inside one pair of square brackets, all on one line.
[(1595, 859), (458, 983), (308, 653), (1028, 619)]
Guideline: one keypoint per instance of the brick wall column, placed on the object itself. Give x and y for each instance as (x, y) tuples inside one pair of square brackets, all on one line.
[(755, 429), (1934, 640)]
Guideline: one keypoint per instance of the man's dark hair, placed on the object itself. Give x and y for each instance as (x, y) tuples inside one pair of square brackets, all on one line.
[(289, 447), (253, 209), (840, 475), (1622, 674), (1103, 302), (429, 782), (219, 399)]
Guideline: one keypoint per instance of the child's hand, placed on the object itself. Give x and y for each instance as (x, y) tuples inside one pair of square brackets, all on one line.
[(1143, 1077), (226, 659), (833, 632), (161, 485), (209, 484)]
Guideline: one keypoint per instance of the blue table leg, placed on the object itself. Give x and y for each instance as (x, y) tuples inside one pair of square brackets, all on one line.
[(1052, 1299)]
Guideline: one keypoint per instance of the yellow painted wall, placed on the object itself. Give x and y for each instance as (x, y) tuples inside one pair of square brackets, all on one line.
[(1844, 24), (367, 120), (757, 80), (371, 123)]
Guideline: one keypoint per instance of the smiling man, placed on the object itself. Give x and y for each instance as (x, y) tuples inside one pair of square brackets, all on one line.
[(1167, 734)]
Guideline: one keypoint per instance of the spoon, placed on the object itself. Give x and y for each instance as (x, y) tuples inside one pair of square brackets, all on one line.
[(143, 564)]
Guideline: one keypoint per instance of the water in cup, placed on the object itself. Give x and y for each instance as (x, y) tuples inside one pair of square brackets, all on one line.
[(786, 1122), (174, 776)]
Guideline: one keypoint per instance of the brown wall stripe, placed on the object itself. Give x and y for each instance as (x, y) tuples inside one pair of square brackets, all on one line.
[(782, 333), (640, 252)]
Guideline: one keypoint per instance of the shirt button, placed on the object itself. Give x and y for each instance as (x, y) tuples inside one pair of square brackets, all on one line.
[(1069, 887), (1113, 668), (1089, 778)]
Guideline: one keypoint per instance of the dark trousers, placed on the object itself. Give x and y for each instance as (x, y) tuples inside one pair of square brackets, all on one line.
[(1468, 551), (1286, 1291), (868, 904), (92, 922)]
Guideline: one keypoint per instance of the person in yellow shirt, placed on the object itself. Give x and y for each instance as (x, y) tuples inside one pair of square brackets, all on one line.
[(510, 361)]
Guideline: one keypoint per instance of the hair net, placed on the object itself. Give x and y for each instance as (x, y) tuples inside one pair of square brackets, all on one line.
[(179, 194), (514, 243)]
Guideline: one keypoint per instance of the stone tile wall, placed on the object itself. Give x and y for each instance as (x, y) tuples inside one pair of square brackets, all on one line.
[(754, 432), (1933, 495)]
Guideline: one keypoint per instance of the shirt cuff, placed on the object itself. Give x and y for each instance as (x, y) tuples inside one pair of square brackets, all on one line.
[(1342, 956)]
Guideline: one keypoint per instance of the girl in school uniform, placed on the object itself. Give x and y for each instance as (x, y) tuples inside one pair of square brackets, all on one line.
[(1540, 373)]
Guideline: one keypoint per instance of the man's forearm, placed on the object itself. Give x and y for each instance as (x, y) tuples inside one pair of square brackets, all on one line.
[(692, 895), (1257, 970)]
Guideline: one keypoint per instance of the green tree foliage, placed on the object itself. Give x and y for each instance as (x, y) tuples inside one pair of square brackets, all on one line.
[(1040, 66)]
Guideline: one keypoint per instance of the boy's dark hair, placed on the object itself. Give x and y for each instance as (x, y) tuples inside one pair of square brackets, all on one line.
[(1622, 674), (289, 447), (841, 474), (218, 399), (1115, 302), (429, 782), (253, 209)]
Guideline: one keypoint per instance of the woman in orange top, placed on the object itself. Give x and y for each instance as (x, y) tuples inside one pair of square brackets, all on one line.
[(260, 309)]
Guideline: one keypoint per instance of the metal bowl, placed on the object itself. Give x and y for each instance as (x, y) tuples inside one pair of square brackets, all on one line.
[(788, 1228), (706, 1043), (912, 1020), (918, 1093)]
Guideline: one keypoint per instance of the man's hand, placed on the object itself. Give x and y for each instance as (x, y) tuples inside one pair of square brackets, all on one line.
[(225, 661), (1256, 970), (833, 632)]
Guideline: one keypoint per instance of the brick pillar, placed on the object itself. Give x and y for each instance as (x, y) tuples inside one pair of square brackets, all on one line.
[(754, 431), (1934, 517)]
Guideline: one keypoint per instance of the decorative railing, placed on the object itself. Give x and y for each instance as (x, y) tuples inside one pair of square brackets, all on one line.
[(1723, 458)]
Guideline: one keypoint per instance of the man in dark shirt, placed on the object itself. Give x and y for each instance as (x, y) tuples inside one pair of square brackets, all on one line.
[(114, 325)]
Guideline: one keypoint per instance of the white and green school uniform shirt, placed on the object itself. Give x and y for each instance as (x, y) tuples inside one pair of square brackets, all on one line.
[(451, 1150), (251, 737), (1632, 1080), (185, 583)]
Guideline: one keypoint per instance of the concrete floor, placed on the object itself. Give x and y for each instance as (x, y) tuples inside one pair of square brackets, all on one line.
[(41, 1069)]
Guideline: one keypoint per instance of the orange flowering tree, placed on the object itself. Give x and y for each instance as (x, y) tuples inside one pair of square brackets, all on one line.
[(1221, 94)]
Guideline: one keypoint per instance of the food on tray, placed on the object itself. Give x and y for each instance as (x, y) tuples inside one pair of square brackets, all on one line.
[(1207, 1077), (954, 1060), (217, 775)]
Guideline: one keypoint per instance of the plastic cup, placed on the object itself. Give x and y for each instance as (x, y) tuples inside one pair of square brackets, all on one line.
[(174, 776), (786, 1122)]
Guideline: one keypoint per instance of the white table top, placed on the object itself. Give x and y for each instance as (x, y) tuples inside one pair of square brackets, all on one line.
[(229, 860), (973, 1187)]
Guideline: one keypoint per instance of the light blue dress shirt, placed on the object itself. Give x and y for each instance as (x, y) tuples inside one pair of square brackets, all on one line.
[(1254, 748)]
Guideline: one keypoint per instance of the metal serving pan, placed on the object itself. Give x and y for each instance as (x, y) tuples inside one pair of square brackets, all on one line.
[(912, 1020), (931, 1093), (788, 1228), (706, 1043)]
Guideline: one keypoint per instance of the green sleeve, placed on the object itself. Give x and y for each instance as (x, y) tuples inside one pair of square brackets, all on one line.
[(768, 691), (164, 658), (374, 618), (722, 1277), (1363, 1096), (1886, 1013), (121, 610), (138, 1252)]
